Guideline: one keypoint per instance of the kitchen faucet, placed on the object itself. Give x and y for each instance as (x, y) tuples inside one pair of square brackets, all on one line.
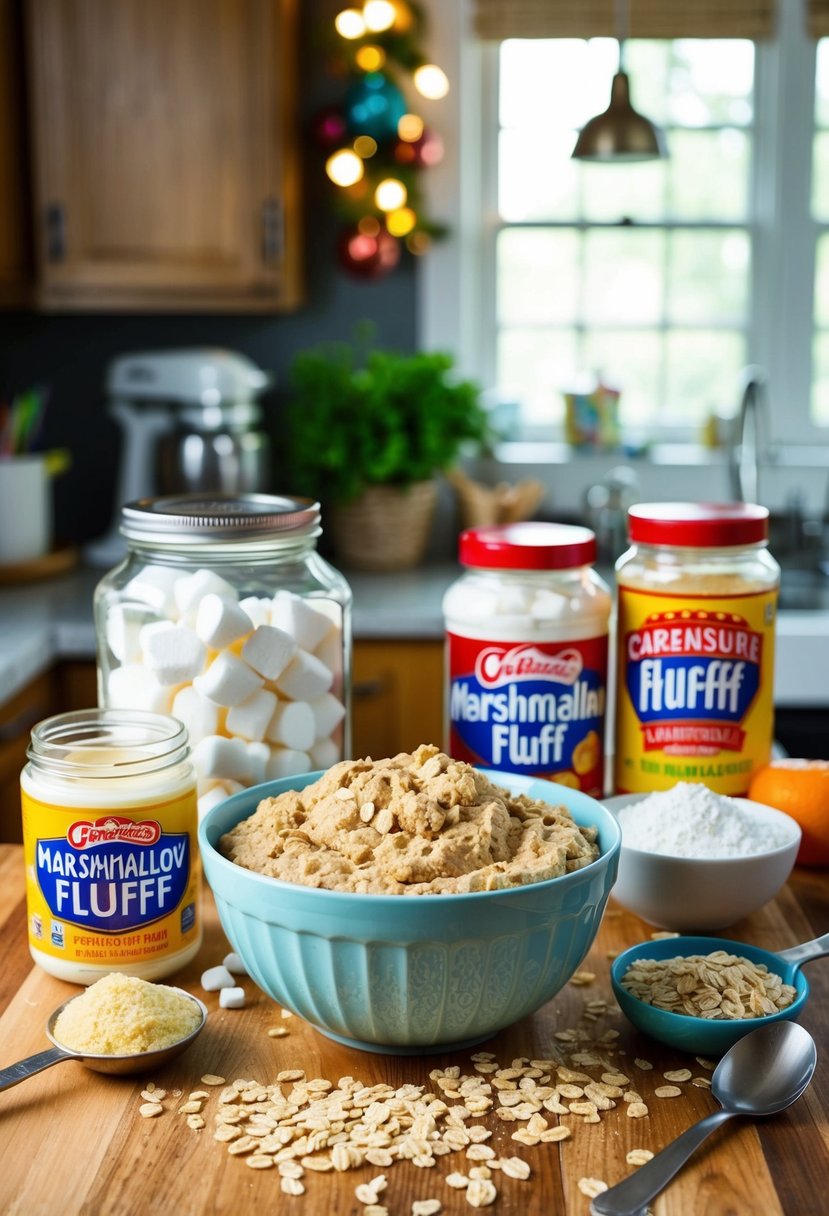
[(746, 437)]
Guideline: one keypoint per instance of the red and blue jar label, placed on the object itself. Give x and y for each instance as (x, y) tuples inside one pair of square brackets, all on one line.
[(535, 708)]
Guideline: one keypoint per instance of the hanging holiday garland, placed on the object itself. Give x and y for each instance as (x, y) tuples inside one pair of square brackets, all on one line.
[(377, 144)]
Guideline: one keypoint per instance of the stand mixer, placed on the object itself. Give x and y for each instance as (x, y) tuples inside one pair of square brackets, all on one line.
[(190, 420)]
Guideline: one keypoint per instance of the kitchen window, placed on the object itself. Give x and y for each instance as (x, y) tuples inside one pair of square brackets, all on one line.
[(668, 277)]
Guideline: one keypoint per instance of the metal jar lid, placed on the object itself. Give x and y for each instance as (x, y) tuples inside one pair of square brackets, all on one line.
[(196, 518)]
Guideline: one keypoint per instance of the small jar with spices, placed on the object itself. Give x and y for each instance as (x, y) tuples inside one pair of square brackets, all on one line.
[(697, 604), (224, 615)]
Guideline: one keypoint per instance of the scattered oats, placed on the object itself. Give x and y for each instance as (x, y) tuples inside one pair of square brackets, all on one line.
[(210, 1078), (245, 1144), (225, 1132), (477, 1133), (291, 1186), (320, 1165), (638, 1156), (580, 978), (481, 1193), (458, 1182), (424, 1161), (571, 1091), (525, 1137), (426, 1207), (566, 1036), (375, 1209), (554, 1134), (701, 1082), (290, 1169), (583, 1108), (379, 1156), (189, 1108), (480, 1152), (667, 1091), (148, 1110), (592, 1187), (535, 1127), (290, 1074), (365, 1193), (637, 1110), (480, 1171), (615, 1078), (278, 1032), (515, 1167), (663, 935), (645, 1065), (199, 1095), (260, 1161), (678, 1074), (151, 1094), (703, 1063), (611, 954), (196, 1122), (287, 1013)]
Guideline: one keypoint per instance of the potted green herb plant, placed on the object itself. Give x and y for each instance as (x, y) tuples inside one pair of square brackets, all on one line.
[(367, 430)]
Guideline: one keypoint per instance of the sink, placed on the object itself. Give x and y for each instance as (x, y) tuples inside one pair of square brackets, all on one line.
[(804, 589)]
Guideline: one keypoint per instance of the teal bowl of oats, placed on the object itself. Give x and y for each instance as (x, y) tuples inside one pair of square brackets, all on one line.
[(412, 904)]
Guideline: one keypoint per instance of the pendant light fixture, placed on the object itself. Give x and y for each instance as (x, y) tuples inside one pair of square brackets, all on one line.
[(620, 133)]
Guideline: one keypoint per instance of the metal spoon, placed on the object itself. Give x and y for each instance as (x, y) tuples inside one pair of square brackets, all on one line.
[(762, 1074), (143, 1061)]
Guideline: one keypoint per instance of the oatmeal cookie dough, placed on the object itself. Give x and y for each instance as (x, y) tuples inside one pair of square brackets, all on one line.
[(416, 824)]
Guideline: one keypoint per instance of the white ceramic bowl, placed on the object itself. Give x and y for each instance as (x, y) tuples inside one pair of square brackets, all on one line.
[(690, 894)]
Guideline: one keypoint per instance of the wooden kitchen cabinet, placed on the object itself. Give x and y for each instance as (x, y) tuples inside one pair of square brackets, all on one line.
[(397, 696), (165, 154), (16, 268)]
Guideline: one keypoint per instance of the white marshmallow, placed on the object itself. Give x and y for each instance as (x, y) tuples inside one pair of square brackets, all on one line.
[(328, 714), (325, 753), (234, 964), (172, 652), (228, 681), (124, 623), (190, 590), (258, 756), (305, 678), (293, 725), (200, 716), (285, 762), (232, 998), (226, 759), (252, 717), (212, 798), (300, 619), (155, 587), (134, 687), (216, 978), (269, 651), (258, 609), (220, 621), (330, 650)]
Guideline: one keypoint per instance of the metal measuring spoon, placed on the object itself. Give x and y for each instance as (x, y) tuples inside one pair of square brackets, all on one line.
[(143, 1061), (762, 1074)]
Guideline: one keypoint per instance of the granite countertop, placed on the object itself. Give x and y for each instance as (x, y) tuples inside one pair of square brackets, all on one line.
[(41, 623)]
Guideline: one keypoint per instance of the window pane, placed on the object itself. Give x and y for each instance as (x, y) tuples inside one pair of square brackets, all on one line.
[(822, 84), (537, 180), (535, 366), (822, 282), (707, 277), (555, 82), (820, 177), (710, 83), (623, 277), (630, 361), (613, 193), (820, 379), (702, 373), (537, 276), (708, 178)]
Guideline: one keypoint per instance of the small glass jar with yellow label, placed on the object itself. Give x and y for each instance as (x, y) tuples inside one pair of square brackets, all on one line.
[(697, 603), (113, 872)]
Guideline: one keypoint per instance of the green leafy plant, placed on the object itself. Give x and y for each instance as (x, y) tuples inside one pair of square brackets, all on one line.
[(359, 417)]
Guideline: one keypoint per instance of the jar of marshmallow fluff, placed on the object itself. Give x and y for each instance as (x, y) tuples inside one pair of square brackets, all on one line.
[(526, 653), (224, 615)]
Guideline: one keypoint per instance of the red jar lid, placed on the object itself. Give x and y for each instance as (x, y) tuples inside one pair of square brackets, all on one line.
[(698, 525), (527, 546)]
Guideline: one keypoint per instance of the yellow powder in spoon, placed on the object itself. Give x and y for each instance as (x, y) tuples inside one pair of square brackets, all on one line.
[(121, 1015)]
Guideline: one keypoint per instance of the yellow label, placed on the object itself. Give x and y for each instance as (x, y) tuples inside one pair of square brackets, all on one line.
[(694, 689), (112, 888)]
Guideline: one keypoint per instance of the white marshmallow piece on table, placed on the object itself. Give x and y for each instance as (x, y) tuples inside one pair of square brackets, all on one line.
[(252, 718), (220, 621), (269, 650), (285, 762), (234, 964), (258, 755), (216, 978), (293, 725), (212, 798), (232, 998), (155, 586), (221, 758), (258, 609), (228, 681), (200, 716), (190, 590), (124, 623), (325, 753), (330, 650), (299, 618), (305, 678), (328, 714), (172, 652), (134, 686)]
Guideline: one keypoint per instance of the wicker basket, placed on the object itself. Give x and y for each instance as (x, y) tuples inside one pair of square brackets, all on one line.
[(386, 528)]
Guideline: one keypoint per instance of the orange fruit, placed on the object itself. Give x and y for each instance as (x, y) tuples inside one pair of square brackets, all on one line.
[(801, 789)]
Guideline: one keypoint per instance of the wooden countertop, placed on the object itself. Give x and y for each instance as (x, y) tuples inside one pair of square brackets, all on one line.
[(72, 1141)]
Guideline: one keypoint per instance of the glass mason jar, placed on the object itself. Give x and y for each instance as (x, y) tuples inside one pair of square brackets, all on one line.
[(113, 871), (224, 615), (697, 605)]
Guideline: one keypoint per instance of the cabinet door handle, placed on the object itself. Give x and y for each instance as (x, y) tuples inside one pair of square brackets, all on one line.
[(273, 231), (55, 232)]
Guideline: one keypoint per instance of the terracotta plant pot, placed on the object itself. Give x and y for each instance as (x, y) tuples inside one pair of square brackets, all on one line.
[(386, 528)]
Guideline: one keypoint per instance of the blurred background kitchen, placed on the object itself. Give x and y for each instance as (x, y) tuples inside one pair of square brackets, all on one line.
[(644, 320)]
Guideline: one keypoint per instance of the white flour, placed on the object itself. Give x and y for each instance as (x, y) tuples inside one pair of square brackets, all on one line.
[(692, 821)]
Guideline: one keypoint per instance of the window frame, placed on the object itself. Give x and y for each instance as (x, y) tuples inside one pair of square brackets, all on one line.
[(458, 277)]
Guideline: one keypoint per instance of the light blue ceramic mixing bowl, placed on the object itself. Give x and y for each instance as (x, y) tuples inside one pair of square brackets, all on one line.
[(403, 973)]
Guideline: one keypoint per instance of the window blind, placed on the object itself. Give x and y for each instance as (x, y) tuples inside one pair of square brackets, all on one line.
[(755, 19)]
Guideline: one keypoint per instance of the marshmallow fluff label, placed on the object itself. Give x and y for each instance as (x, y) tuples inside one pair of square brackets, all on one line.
[(530, 707), (695, 687), (112, 887)]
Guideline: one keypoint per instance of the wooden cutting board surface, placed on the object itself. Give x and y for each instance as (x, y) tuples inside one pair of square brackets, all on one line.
[(72, 1141)]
